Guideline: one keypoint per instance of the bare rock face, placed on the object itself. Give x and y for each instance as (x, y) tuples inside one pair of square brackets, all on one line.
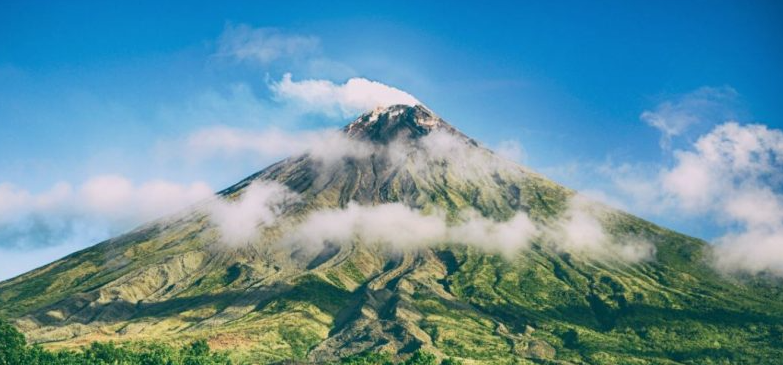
[(534, 349), (384, 125), (173, 280)]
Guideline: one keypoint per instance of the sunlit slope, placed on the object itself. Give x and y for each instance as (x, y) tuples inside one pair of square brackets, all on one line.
[(174, 280)]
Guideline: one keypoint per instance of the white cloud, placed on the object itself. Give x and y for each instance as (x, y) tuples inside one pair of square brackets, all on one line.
[(227, 141), (239, 220), (276, 49), (466, 160), (505, 237), (580, 231), (511, 150), (731, 176), (732, 159), (327, 145), (402, 227), (102, 205), (394, 224), (633, 187), (357, 95), (263, 45), (735, 172), (12, 200), (117, 199), (674, 117), (752, 251)]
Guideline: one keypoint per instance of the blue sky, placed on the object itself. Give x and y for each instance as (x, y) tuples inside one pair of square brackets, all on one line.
[(608, 97)]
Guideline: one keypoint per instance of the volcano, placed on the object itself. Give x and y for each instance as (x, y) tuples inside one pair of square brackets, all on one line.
[(518, 270)]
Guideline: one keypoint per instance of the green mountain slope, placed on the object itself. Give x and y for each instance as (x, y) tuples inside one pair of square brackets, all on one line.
[(173, 280)]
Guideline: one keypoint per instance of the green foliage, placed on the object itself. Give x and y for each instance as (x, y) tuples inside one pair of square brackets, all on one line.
[(368, 358), (353, 272), (374, 358), (195, 353), (15, 351), (421, 358), (451, 361), (12, 344)]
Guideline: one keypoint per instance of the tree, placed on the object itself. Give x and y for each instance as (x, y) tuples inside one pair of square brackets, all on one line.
[(450, 361), (368, 358), (156, 354), (422, 358), (198, 353), (12, 344), (106, 353)]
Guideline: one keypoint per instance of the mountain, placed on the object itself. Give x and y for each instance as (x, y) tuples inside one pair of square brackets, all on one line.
[(482, 292)]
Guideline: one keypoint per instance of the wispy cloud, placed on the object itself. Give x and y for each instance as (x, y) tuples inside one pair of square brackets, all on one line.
[(237, 104), (675, 116), (511, 150), (241, 220), (357, 95), (226, 143), (277, 49), (580, 231), (263, 45)]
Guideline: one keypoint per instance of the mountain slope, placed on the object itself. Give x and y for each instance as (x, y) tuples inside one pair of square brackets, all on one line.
[(176, 279)]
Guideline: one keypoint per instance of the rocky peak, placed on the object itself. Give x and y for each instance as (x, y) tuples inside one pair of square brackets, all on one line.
[(385, 124)]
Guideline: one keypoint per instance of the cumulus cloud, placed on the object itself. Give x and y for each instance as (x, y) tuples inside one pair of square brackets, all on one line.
[(752, 251), (731, 176), (263, 45), (674, 117), (735, 172), (730, 162), (402, 228), (239, 220), (357, 95)]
